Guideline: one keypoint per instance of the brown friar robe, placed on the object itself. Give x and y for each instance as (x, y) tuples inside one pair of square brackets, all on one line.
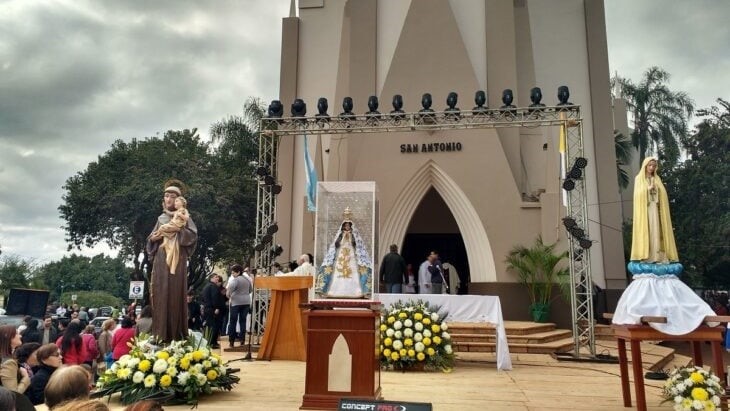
[(168, 290)]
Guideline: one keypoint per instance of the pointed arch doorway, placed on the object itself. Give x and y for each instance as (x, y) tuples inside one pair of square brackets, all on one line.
[(434, 228)]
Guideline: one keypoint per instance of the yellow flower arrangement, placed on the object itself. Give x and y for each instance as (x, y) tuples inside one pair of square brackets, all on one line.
[(412, 333), (176, 373), (693, 388)]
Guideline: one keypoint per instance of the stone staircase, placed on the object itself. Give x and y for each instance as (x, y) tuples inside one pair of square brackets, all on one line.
[(522, 337), (544, 338)]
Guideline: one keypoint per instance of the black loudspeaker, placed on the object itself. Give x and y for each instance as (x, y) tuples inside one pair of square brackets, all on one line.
[(22, 301)]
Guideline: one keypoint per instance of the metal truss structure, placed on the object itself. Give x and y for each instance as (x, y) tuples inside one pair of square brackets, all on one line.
[(566, 116)]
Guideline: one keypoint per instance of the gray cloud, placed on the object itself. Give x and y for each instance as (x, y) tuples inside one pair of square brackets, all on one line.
[(75, 75), (688, 39)]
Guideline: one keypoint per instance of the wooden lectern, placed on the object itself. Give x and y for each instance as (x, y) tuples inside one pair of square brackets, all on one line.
[(342, 353), (284, 331)]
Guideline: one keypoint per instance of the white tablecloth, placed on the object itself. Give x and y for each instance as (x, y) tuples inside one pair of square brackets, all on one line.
[(464, 308), (662, 296)]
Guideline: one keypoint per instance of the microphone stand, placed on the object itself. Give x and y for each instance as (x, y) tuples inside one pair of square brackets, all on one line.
[(248, 356)]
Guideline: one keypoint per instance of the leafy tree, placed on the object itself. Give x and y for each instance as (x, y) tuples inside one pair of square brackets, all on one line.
[(700, 199), (117, 199), (92, 299), (660, 116), (80, 273), (15, 272), (237, 139), (623, 158)]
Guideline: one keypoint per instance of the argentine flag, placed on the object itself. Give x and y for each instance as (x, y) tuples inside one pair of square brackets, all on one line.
[(311, 175)]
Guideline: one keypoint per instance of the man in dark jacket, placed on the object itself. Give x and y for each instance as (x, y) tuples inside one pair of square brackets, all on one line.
[(195, 321), (213, 304), (393, 271)]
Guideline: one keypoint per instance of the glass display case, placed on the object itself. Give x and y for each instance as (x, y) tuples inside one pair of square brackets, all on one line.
[(346, 240)]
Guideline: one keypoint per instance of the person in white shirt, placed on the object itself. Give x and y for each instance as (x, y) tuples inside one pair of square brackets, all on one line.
[(277, 270), (305, 266)]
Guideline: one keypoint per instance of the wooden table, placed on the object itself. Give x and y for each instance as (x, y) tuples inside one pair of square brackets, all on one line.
[(635, 334)]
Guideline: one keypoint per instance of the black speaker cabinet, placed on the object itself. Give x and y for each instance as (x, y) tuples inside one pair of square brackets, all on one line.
[(22, 301)]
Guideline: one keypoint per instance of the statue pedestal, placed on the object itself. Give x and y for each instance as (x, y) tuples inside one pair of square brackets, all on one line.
[(342, 354)]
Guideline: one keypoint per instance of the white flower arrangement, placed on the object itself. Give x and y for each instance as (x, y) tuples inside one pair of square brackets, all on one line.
[(414, 334), (176, 373), (693, 388)]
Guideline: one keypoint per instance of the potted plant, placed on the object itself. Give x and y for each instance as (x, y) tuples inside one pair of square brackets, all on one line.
[(538, 269)]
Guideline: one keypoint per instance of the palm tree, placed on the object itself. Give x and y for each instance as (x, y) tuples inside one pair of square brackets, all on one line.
[(623, 158), (660, 116), (537, 269)]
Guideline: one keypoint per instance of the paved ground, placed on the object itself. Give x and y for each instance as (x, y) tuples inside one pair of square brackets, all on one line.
[(537, 382)]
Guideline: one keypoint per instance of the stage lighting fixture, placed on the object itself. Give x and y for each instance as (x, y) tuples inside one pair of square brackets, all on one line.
[(480, 99), (585, 243), (322, 107), (272, 229), (347, 106), (507, 98), (269, 180), (451, 100), (426, 102), (267, 238), (298, 108), (276, 109), (397, 112), (262, 171), (373, 104), (577, 232), (569, 222), (580, 162), (563, 96), (276, 189), (452, 111), (276, 250), (259, 247), (536, 98), (568, 185), (575, 173)]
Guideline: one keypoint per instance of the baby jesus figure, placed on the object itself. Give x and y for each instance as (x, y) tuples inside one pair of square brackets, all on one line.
[(168, 232)]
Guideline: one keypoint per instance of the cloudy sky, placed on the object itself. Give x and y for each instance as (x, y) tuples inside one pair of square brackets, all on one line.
[(75, 75)]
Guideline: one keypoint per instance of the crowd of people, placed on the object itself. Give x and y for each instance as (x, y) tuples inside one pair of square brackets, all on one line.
[(432, 277), (57, 362)]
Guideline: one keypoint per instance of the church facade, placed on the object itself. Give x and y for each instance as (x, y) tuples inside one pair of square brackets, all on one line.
[(472, 195)]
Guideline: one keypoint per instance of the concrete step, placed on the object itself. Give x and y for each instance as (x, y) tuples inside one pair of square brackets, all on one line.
[(536, 338), (603, 332), (511, 328), (562, 345)]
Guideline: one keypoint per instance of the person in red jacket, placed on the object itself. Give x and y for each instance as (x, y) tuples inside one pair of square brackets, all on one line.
[(121, 338), (72, 345), (92, 350)]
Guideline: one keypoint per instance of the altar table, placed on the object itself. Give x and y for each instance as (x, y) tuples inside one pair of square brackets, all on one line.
[(463, 308)]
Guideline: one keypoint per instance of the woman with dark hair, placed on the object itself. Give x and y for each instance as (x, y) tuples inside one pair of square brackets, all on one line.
[(144, 321), (121, 337), (25, 356), (7, 399), (12, 376), (32, 333), (49, 358), (72, 344)]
